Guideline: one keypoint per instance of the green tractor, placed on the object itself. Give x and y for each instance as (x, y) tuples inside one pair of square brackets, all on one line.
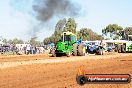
[(125, 46), (68, 45)]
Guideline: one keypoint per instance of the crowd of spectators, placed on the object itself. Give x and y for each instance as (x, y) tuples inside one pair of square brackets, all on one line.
[(20, 49)]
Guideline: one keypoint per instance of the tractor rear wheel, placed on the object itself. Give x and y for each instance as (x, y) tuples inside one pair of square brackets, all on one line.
[(52, 51), (123, 48), (74, 49), (119, 48), (116, 49), (81, 50)]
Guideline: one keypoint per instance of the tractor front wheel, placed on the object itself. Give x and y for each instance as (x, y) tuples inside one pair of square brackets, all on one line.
[(81, 50), (75, 50), (68, 53)]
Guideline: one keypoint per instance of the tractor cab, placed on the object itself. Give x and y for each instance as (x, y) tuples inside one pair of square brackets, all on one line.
[(68, 37)]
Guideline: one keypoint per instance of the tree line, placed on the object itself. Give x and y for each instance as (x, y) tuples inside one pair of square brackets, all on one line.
[(70, 25), (112, 31), (12, 41), (33, 41)]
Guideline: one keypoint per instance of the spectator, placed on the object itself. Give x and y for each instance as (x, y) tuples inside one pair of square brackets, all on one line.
[(28, 49)]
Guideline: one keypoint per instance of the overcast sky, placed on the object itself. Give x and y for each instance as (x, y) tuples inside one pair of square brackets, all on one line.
[(17, 20)]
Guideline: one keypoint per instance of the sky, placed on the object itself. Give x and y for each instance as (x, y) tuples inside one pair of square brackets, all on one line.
[(17, 18)]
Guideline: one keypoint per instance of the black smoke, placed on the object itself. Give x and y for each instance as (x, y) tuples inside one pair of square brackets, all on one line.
[(45, 10)]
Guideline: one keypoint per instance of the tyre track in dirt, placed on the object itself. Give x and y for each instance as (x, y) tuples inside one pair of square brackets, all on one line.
[(55, 60)]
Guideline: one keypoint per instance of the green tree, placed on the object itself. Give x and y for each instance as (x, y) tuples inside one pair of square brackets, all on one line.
[(59, 28), (88, 34), (16, 41), (128, 30), (46, 41), (9, 41), (33, 41), (60, 25), (112, 30), (70, 25), (4, 41)]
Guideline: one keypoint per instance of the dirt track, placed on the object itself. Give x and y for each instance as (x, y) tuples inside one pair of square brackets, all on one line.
[(60, 72)]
